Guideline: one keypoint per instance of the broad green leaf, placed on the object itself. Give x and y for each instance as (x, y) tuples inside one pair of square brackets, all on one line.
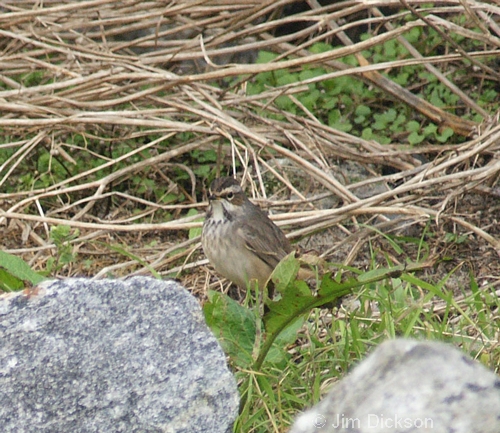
[(285, 272), (278, 353), (18, 268), (233, 325), (9, 283), (294, 302)]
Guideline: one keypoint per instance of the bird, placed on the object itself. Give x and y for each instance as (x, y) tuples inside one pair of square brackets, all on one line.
[(238, 238)]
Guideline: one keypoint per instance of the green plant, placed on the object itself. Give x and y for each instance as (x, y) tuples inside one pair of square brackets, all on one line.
[(15, 273), (256, 341), (347, 104), (62, 235), (283, 351)]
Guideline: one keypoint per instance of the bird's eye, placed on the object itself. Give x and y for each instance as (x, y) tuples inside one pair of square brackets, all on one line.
[(230, 195)]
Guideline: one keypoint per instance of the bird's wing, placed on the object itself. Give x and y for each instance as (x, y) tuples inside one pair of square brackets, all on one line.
[(266, 240)]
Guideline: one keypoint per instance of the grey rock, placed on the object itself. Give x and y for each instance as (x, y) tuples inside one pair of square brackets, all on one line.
[(410, 386), (111, 356)]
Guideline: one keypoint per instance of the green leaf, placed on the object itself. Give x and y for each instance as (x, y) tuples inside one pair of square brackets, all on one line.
[(382, 120), (285, 103), (489, 95), (18, 269), (308, 73), (330, 289), (298, 299), (266, 57), (9, 283), (285, 273), (415, 138), (398, 122), (445, 135), (195, 231), (436, 100), (320, 47), (413, 126), (234, 326), (414, 35), (335, 121), (284, 77), (363, 110), (277, 353), (294, 302), (265, 79), (204, 155), (430, 129), (390, 49), (367, 134), (309, 99), (359, 120), (62, 233), (402, 78), (202, 171)]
